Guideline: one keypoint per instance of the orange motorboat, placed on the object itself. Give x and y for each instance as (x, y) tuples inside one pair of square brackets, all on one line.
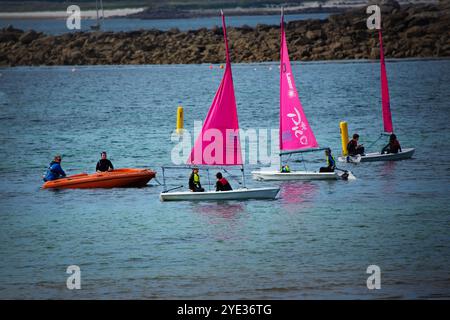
[(118, 178)]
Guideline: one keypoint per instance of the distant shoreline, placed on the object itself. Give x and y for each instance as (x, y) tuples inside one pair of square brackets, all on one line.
[(139, 13), (414, 31), (139, 10), (192, 14), (85, 14)]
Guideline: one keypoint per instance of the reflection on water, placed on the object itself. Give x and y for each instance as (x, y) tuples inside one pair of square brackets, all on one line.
[(388, 175), (388, 168), (298, 193), (221, 218), (219, 209)]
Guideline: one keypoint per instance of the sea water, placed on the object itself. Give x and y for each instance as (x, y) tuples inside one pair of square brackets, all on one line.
[(315, 241)]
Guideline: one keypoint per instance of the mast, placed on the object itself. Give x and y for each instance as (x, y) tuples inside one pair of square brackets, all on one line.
[(103, 12), (280, 133), (222, 118), (96, 9), (385, 99), (295, 132), (281, 83)]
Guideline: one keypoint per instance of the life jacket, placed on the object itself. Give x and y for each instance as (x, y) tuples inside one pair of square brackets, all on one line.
[(331, 162), (52, 172), (225, 185), (394, 146), (196, 178), (351, 146)]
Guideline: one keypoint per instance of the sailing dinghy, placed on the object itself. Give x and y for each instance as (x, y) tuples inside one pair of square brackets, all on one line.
[(406, 153), (295, 134), (238, 194), (222, 119)]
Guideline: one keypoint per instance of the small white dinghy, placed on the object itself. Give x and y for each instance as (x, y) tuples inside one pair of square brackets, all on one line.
[(296, 135), (222, 118), (377, 156), (388, 127), (238, 194)]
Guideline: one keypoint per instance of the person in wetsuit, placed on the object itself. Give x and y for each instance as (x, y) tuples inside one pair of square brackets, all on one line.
[(222, 184), (194, 181), (393, 146), (54, 170), (104, 164), (331, 163), (353, 147)]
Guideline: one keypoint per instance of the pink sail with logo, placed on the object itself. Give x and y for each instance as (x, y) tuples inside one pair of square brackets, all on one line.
[(218, 142), (385, 100), (295, 132)]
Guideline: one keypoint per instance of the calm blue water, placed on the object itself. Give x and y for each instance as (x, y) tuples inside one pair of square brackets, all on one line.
[(315, 241), (58, 26)]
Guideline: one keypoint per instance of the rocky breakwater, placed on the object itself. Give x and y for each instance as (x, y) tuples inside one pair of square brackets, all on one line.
[(408, 31)]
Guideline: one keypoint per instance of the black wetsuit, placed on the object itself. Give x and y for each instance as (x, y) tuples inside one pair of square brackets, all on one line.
[(104, 165), (331, 165), (392, 147), (195, 186), (353, 148)]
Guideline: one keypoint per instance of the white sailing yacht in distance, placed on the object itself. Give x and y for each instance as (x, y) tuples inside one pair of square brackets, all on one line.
[(97, 25)]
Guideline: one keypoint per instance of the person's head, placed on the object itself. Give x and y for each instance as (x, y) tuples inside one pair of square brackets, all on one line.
[(219, 176), (57, 158), (392, 137), (195, 170), (356, 136), (327, 151), (103, 154)]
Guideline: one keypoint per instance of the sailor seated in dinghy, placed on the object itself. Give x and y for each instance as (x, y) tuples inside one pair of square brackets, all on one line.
[(222, 184), (54, 170), (393, 146), (104, 164), (353, 147), (331, 163), (194, 181)]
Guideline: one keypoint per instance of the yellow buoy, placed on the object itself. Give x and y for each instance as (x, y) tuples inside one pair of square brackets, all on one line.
[(344, 136), (180, 119)]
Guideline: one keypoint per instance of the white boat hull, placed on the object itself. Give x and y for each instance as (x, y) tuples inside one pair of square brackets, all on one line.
[(377, 156), (294, 175), (350, 159), (238, 194)]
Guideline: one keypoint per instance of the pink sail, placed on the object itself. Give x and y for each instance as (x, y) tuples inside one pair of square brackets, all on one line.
[(295, 132), (385, 100), (218, 142)]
